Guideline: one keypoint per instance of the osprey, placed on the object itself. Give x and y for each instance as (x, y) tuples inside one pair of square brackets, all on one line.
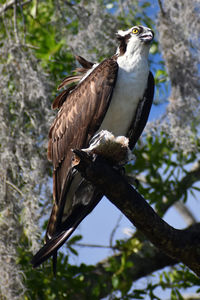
[(114, 95)]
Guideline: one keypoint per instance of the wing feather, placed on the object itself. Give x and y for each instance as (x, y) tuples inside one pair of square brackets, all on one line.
[(78, 119), (60, 99), (140, 119), (69, 79), (83, 62), (87, 65)]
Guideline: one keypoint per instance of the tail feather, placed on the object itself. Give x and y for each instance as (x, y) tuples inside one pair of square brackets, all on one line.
[(51, 247), (60, 228), (55, 263)]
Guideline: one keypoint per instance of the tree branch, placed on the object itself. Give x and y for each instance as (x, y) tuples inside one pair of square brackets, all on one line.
[(182, 245), (146, 261), (161, 7), (15, 22)]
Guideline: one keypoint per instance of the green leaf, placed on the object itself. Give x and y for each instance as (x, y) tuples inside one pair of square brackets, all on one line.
[(115, 281), (74, 239)]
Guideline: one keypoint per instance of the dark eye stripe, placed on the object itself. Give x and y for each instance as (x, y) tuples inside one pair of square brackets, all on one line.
[(123, 43), (140, 29)]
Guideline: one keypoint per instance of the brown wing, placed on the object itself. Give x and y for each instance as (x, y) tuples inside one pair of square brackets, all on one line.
[(78, 119), (86, 66), (84, 63), (86, 195), (60, 99), (69, 79), (140, 119)]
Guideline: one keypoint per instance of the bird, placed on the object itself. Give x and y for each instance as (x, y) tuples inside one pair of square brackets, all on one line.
[(115, 95)]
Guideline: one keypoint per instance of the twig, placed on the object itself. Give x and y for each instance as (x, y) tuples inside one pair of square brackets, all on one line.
[(61, 12), (23, 21), (5, 22), (94, 246), (10, 4), (15, 22), (25, 45), (114, 230), (29, 46), (14, 187), (161, 8)]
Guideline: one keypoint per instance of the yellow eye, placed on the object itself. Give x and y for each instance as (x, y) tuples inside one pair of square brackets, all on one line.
[(135, 30)]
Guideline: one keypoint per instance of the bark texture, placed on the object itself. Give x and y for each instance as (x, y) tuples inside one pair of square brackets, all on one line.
[(181, 245)]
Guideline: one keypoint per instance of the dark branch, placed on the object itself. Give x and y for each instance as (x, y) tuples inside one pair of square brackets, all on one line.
[(148, 260), (182, 245), (161, 7)]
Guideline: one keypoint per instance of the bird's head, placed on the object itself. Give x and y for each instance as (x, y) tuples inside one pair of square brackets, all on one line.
[(137, 37)]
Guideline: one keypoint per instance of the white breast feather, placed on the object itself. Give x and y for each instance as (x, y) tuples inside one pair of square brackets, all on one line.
[(129, 90)]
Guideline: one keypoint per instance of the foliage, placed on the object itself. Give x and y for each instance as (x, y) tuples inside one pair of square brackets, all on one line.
[(37, 42), (164, 172)]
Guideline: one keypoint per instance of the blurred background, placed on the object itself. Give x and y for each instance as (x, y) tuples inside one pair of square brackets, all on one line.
[(106, 258)]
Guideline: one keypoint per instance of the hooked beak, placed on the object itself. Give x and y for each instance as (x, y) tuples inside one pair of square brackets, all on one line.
[(147, 37)]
